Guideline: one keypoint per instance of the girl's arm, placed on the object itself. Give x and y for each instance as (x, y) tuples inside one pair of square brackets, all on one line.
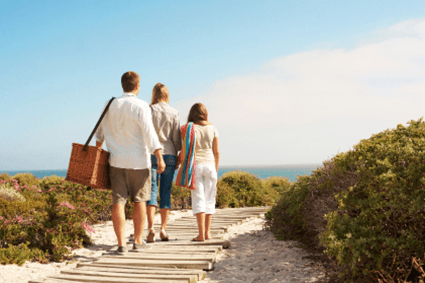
[(216, 153)]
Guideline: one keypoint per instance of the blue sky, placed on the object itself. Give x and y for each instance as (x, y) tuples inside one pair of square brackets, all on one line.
[(284, 81)]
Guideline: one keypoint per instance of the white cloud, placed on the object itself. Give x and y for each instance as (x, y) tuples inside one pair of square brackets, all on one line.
[(307, 107)]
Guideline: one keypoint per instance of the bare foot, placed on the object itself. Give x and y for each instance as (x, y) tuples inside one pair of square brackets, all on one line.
[(198, 239)]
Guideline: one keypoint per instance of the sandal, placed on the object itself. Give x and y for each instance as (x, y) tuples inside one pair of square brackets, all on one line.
[(163, 235), (151, 237)]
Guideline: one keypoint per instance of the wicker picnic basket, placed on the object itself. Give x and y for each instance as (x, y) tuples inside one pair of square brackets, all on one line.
[(89, 165)]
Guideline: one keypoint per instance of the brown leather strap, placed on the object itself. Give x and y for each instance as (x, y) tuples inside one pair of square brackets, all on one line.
[(97, 125)]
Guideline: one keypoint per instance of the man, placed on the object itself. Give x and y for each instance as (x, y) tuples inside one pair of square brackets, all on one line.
[(130, 137)]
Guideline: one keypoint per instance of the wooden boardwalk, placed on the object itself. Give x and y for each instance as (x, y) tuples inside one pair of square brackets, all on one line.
[(177, 261)]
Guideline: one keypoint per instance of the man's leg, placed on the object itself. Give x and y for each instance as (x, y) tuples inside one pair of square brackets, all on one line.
[(139, 216), (118, 220), (151, 218)]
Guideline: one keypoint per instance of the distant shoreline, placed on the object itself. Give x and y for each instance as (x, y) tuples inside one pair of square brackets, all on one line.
[(290, 171), (288, 166)]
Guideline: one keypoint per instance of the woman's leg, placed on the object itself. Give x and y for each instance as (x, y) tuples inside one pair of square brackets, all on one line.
[(198, 202), (210, 187), (207, 226), (166, 182), (200, 217), (151, 210)]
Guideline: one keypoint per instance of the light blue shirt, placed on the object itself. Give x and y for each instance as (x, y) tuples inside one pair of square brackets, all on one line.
[(129, 133)]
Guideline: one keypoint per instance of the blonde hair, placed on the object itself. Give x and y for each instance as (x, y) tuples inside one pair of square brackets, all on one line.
[(160, 93)]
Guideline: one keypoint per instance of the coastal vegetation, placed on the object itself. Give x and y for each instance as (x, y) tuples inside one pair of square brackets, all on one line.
[(363, 212), (45, 219)]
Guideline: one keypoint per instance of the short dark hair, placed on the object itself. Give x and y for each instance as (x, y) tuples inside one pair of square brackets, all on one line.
[(129, 81), (198, 113)]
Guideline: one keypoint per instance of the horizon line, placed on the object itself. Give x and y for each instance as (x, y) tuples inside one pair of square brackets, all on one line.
[(290, 165)]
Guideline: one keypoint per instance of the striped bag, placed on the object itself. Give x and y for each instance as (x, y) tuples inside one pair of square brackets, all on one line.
[(186, 174)]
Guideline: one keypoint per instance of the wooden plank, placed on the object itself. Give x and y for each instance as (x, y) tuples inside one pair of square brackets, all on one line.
[(180, 228), (112, 279), (47, 280), (204, 265), (188, 236), (174, 257), (158, 253), (184, 242), (159, 247), (182, 278), (144, 270)]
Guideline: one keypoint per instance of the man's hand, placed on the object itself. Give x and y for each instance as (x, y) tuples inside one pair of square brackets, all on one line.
[(161, 163)]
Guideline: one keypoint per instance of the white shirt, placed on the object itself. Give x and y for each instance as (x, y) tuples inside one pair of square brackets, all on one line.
[(205, 135), (129, 133)]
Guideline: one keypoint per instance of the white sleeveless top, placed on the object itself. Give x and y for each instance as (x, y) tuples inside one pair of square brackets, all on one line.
[(205, 135)]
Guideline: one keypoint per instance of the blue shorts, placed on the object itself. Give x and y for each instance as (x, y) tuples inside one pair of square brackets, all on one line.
[(165, 180)]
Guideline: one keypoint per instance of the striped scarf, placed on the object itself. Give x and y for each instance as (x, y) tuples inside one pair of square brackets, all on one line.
[(186, 174)]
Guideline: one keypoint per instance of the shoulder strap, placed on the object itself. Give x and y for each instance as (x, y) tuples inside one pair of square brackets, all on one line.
[(97, 125)]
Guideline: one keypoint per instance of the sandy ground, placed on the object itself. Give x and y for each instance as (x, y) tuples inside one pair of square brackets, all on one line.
[(255, 256)]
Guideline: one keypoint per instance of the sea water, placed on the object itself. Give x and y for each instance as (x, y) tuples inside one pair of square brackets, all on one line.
[(262, 172)]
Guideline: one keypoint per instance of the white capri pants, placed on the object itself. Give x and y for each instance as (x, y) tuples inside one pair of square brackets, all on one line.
[(203, 197)]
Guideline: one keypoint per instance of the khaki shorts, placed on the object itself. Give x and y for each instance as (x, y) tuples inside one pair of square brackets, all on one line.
[(133, 183)]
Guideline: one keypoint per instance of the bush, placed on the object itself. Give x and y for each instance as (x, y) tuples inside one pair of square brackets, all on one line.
[(247, 188), (279, 184), (180, 197), (373, 197), (4, 177), (53, 180), (9, 193), (52, 221), (26, 179), (225, 195)]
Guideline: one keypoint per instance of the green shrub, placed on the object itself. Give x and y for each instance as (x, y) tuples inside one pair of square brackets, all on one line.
[(373, 198), (248, 189), (285, 218), (26, 179), (53, 181), (180, 197), (226, 196), (279, 184), (19, 254), (4, 177), (9, 193)]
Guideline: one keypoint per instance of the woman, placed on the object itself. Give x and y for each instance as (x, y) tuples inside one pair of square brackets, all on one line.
[(167, 125), (206, 165)]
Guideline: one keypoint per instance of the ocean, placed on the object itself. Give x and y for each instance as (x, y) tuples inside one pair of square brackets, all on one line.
[(289, 171)]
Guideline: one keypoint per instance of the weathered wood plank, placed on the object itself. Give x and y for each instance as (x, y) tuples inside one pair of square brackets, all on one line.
[(143, 270), (172, 252), (47, 280), (108, 273), (204, 265), (147, 256), (112, 279), (187, 242)]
